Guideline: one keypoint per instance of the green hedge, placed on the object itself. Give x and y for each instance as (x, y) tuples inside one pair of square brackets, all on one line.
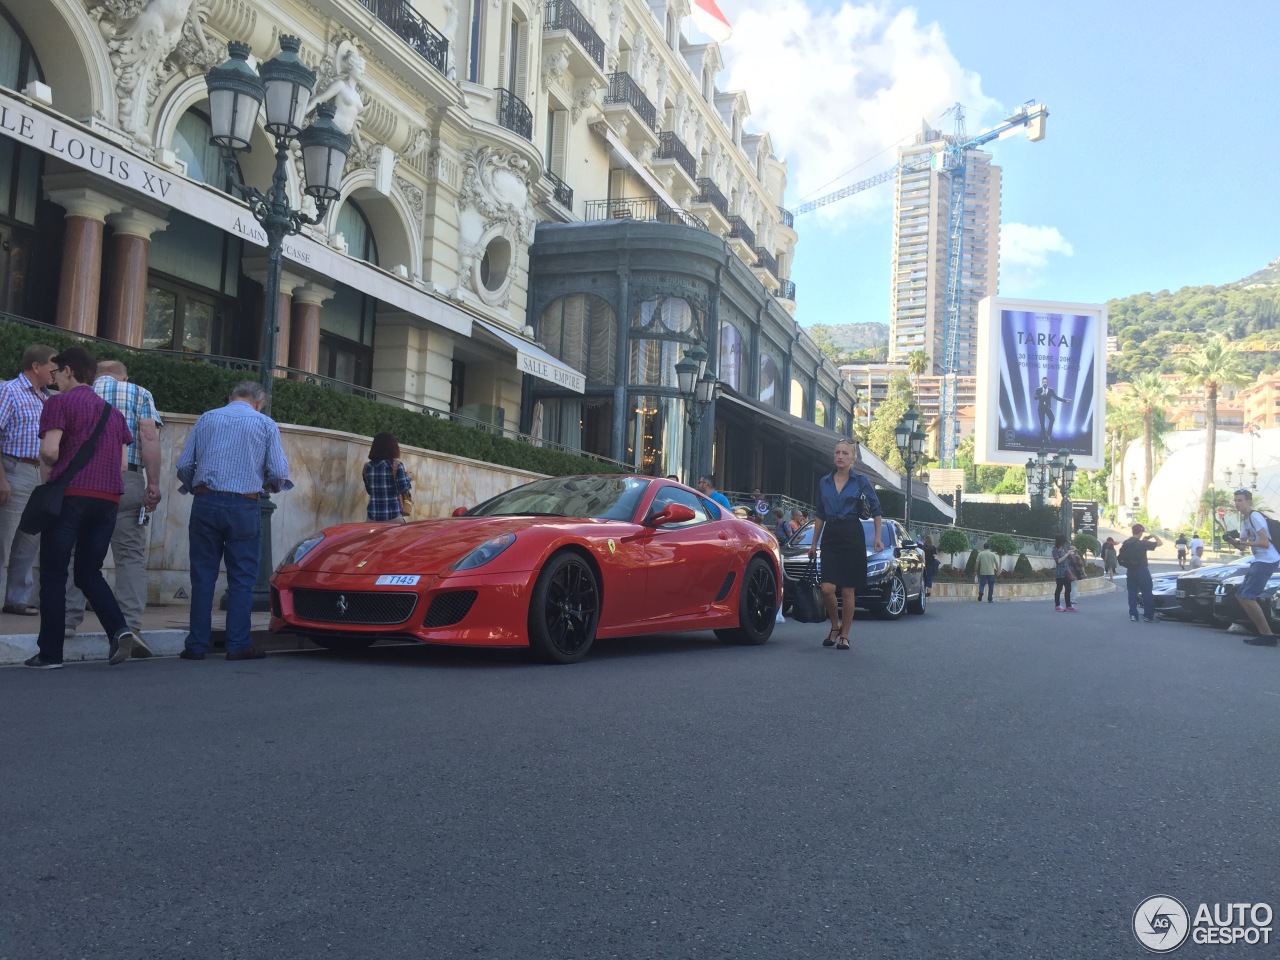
[(1017, 519), (192, 387)]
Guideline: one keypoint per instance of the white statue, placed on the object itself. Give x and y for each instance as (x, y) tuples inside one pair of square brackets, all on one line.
[(451, 35), (344, 91), (678, 115), (664, 80), (142, 37), (639, 58), (615, 31), (699, 135)]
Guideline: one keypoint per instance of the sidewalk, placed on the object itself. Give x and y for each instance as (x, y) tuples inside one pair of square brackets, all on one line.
[(163, 628)]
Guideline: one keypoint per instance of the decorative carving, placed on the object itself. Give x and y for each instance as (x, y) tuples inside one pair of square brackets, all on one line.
[(148, 41), (680, 111), (451, 35), (555, 68), (442, 168), (420, 141), (340, 82), (639, 57), (585, 98), (664, 81), (615, 33), (414, 196), (493, 201)]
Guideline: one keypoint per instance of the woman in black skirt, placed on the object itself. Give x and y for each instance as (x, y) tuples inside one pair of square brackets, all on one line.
[(844, 544)]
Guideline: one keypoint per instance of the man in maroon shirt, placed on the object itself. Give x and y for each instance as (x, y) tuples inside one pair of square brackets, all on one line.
[(89, 506)]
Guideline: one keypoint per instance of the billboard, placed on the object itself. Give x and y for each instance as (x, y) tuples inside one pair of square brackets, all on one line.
[(1042, 381)]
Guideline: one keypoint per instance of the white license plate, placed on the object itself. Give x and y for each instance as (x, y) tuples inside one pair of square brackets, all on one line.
[(398, 580)]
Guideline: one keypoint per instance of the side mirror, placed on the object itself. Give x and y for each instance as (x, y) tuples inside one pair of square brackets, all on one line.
[(908, 545), (673, 513), (459, 512)]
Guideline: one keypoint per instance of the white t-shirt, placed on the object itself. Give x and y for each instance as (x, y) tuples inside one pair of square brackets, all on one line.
[(1253, 525), (1197, 546)]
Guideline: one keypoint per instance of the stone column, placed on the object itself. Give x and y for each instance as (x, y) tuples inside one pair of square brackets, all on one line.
[(127, 285), (257, 270), (81, 281), (304, 335)]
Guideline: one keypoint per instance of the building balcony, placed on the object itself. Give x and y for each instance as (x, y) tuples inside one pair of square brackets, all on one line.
[(675, 166), (568, 35), (742, 240), (766, 268), (630, 113), (514, 115), (786, 290), (788, 218), (409, 25), (710, 204), (561, 192), (646, 209)]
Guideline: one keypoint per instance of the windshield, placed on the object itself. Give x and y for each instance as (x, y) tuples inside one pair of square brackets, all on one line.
[(598, 498)]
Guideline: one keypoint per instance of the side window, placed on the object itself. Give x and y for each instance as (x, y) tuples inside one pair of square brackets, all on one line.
[(669, 495)]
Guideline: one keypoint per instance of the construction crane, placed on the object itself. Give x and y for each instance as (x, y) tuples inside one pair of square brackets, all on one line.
[(950, 159)]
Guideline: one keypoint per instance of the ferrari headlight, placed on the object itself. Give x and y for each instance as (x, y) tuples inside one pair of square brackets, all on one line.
[(876, 568), (485, 552), (301, 549)]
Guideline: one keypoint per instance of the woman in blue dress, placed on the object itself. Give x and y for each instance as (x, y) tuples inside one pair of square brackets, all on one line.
[(844, 543)]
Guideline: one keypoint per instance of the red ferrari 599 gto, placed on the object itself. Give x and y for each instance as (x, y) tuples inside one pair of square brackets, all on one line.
[(550, 565)]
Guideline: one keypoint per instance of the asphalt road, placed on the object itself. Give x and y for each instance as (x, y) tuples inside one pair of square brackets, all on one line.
[(994, 780)]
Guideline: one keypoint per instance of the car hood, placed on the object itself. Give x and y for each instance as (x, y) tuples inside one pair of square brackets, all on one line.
[(424, 547)]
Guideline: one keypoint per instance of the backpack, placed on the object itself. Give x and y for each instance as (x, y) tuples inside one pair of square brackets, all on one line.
[(1127, 554), (1273, 529)]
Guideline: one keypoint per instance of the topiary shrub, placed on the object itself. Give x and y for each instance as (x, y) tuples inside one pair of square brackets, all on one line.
[(1086, 543), (952, 542), (1002, 544), (1023, 568), (971, 565)]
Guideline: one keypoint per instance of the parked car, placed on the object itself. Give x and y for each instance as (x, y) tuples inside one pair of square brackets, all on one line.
[(550, 565), (1196, 591), (895, 575), (1226, 609)]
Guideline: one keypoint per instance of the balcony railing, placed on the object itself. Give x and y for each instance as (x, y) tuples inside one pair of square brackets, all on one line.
[(563, 193), (738, 228), (563, 15), (788, 218), (708, 192), (670, 147), (786, 290), (650, 209), (622, 89), (766, 260), (428, 42), (513, 114)]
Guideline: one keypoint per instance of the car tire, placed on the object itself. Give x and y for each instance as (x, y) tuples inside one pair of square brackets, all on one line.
[(896, 605), (757, 605), (344, 644), (564, 609), (919, 604)]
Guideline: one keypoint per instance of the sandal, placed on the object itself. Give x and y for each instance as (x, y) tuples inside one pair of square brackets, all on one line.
[(843, 644), (831, 638)]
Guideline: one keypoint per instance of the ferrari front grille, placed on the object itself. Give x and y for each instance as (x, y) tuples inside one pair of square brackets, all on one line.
[(448, 608), (354, 607)]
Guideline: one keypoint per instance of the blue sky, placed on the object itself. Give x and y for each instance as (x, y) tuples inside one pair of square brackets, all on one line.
[(1156, 170)]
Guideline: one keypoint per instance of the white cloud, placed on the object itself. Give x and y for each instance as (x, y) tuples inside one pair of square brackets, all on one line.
[(1029, 248), (841, 88)]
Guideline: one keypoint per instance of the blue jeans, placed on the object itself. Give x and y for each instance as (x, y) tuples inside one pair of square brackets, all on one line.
[(989, 582), (224, 526), (85, 527), (1139, 581)]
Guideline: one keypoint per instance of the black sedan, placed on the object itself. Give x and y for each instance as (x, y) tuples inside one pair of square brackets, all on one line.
[(895, 575), (1196, 591), (1226, 609)]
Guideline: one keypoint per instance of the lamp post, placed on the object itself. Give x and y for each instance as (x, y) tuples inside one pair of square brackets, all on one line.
[(1037, 469), (697, 385), (910, 441), (237, 93), (1063, 471)]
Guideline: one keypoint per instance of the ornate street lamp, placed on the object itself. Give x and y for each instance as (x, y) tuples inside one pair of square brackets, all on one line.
[(1063, 471), (910, 443), (1037, 479), (236, 93), (697, 385)]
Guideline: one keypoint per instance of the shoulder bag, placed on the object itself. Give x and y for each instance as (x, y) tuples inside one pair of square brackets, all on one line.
[(406, 498), (45, 503), (806, 604)]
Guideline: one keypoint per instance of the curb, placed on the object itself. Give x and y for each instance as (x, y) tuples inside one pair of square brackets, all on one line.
[(17, 648)]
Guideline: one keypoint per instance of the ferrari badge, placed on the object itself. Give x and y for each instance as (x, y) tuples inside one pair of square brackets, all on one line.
[(613, 548)]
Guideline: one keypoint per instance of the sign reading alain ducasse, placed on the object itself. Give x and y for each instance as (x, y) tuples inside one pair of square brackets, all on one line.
[(1041, 381)]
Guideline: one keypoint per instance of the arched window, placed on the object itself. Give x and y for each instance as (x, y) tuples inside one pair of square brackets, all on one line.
[(797, 398), (582, 330), (347, 321), (768, 380), (731, 356), (20, 166), (18, 64), (842, 426), (659, 315), (204, 160), (355, 229), (820, 413)]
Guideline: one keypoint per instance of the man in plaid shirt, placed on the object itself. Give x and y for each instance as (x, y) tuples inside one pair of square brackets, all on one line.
[(129, 538), (22, 400)]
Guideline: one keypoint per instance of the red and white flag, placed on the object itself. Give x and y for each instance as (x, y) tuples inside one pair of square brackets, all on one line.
[(708, 18)]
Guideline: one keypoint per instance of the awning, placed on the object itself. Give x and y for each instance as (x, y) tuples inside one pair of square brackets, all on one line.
[(533, 360), (41, 129), (821, 441)]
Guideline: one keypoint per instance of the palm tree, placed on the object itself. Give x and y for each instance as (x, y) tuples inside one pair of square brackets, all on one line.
[(917, 363), (1212, 366), (1151, 396), (1124, 424)]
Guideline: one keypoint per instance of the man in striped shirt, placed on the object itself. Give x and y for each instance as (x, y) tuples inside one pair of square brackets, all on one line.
[(22, 400), (231, 456), (129, 538)]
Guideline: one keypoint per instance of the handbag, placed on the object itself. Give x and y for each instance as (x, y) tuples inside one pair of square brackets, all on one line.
[(45, 503), (806, 603), (406, 498)]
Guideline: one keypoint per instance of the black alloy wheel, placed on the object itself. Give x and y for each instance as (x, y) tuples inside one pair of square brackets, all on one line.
[(564, 610), (757, 605)]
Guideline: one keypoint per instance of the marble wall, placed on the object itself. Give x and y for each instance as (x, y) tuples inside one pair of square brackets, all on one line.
[(325, 467)]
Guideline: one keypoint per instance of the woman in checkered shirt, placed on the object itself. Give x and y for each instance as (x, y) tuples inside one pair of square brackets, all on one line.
[(386, 481)]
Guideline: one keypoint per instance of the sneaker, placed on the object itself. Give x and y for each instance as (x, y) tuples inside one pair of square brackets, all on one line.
[(1060, 609), (190, 654), (40, 663), (250, 654), (140, 649), (1148, 619), (1267, 640), (1072, 609), (121, 647), (1133, 618)]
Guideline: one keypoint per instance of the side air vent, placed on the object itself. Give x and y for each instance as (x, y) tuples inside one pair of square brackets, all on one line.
[(726, 587), (449, 608)]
